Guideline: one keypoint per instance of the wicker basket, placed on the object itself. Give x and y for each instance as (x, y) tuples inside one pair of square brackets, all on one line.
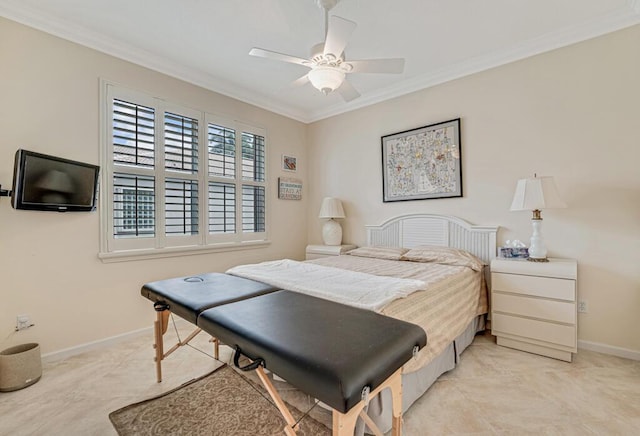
[(20, 366)]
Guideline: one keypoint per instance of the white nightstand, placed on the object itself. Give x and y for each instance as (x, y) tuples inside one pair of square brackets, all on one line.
[(317, 251), (533, 306)]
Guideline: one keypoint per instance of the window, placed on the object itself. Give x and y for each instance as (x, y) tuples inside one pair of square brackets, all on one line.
[(177, 179), (133, 206), (235, 181)]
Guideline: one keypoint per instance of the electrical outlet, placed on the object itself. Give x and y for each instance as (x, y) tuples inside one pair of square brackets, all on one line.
[(22, 322), (582, 306)]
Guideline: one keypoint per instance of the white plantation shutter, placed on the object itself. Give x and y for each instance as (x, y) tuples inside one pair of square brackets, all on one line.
[(181, 185), (180, 143), (222, 207), (181, 207), (222, 151), (166, 190), (133, 137), (252, 157), (236, 181), (253, 209), (133, 134), (133, 206), (253, 195)]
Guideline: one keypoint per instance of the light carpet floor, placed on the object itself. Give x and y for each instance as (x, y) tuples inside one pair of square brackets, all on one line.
[(493, 391)]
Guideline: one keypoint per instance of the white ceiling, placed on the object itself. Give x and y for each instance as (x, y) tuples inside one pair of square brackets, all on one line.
[(206, 42)]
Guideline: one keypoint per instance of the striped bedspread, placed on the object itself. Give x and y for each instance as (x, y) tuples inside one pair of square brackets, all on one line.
[(454, 296)]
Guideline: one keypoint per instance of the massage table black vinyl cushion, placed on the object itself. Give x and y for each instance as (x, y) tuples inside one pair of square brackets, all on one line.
[(328, 350), (188, 296)]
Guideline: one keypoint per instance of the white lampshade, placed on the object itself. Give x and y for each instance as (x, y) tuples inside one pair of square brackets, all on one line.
[(326, 79), (331, 208), (331, 231), (536, 193)]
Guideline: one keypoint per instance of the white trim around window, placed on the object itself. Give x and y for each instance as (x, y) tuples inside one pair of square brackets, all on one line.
[(177, 181)]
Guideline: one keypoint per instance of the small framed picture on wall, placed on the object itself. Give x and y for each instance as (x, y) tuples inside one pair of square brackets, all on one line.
[(289, 163)]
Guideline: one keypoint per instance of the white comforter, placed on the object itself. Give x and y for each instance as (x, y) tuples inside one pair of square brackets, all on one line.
[(356, 289)]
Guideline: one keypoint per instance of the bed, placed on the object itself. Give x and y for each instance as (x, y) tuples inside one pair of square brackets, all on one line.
[(451, 310)]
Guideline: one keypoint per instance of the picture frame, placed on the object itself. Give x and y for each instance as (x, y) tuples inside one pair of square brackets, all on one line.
[(423, 163), (289, 188), (289, 163)]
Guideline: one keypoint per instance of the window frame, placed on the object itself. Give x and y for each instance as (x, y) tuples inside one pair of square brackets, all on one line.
[(162, 244)]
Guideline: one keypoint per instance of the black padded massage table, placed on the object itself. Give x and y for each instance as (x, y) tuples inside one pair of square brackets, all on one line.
[(338, 354), (187, 297)]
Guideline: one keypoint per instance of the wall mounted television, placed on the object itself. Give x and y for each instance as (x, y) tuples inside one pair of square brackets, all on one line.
[(43, 182)]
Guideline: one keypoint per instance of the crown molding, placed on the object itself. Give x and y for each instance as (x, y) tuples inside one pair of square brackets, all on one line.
[(623, 17), (88, 38), (617, 20)]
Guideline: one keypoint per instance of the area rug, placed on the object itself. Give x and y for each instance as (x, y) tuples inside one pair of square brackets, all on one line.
[(220, 403)]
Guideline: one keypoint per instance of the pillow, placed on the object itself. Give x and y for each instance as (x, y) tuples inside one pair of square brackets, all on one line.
[(444, 256), (389, 253)]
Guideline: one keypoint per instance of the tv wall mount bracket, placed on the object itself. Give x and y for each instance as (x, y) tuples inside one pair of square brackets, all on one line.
[(4, 192)]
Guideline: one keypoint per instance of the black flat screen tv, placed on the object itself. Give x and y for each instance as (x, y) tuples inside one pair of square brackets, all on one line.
[(43, 182)]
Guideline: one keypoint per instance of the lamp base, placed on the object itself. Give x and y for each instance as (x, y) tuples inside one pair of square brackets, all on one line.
[(332, 233), (537, 249), (537, 259)]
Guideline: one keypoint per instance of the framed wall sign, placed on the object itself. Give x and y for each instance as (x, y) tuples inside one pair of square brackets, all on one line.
[(422, 163), (289, 189)]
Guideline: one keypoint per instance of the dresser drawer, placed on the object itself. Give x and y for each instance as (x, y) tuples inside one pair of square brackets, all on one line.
[(561, 289), (558, 311), (534, 329)]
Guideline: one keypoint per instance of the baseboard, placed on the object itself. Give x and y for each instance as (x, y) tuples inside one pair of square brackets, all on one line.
[(609, 349), (113, 340), (102, 343)]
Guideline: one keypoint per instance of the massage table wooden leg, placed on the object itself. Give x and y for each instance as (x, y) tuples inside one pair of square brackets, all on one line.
[(159, 328), (291, 427), (344, 424), (216, 347), (396, 396)]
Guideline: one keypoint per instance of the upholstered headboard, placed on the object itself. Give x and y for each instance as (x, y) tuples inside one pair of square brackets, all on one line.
[(428, 229)]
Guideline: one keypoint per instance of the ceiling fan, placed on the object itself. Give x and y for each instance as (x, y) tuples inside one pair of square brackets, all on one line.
[(328, 64)]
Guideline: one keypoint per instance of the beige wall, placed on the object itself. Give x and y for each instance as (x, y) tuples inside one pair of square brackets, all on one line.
[(572, 113), (49, 102)]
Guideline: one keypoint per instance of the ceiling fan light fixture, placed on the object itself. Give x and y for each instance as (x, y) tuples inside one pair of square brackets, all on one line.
[(327, 4), (326, 79)]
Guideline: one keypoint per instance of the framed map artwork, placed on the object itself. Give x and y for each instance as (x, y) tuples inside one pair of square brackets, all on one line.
[(422, 163)]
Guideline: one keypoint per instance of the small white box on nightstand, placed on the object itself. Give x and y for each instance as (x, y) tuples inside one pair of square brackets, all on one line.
[(317, 251)]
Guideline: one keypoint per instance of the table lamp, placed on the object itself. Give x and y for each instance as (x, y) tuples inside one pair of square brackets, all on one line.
[(331, 209), (535, 194)]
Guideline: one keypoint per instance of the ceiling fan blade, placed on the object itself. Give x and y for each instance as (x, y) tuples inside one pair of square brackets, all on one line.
[(347, 91), (378, 66), (338, 35), (278, 56), (299, 82)]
